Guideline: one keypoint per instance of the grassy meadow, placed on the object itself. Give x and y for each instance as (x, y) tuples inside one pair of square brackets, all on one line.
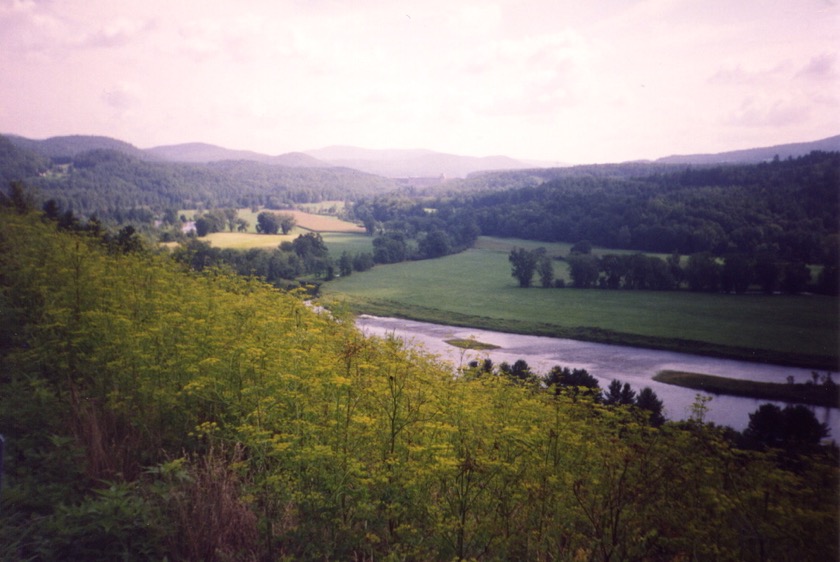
[(475, 288)]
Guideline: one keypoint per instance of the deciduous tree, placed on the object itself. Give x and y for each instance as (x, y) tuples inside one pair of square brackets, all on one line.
[(523, 264)]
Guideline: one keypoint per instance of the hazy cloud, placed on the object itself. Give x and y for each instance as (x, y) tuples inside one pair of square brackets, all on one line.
[(821, 67), (120, 97), (117, 33), (756, 112), (738, 75)]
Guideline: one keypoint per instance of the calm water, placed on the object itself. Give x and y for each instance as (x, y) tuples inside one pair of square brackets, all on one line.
[(606, 362)]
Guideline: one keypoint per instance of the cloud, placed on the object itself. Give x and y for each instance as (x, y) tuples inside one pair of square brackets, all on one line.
[(118, 32), (27, 27), (757, 112), (738, 75), (820, 67), (120, 97), (527, 75)]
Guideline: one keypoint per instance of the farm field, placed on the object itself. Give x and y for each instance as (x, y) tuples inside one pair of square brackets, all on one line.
[(249, 240), (337, 242), (475, 288), (338, 235), (305, 220), (323, 223)]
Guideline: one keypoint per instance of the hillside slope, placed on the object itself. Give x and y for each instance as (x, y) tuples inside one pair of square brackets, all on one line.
[(110, 183), (154, 414)]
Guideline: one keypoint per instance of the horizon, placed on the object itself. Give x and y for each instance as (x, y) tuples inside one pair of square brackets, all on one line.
[(415, 149), (554, 82)]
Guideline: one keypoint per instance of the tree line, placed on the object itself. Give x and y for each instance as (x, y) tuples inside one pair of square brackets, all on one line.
[(703, 271)]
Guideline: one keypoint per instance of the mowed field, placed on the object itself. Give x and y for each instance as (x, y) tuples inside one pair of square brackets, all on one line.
[(338, 235), (324, 223), (475, 288)]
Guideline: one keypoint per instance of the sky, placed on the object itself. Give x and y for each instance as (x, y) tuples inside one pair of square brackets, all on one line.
[(553, 80)]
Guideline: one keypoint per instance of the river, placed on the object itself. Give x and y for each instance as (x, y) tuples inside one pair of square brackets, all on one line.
[(633, 365)]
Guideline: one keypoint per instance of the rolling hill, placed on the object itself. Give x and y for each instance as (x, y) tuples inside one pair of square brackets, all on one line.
[(202, 153), (757, 155), (111, 178), (66, 147)]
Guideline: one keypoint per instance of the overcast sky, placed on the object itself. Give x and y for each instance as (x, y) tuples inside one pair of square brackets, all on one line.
[(559, 80)]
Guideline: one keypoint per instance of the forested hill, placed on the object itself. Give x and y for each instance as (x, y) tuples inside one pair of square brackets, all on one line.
[(784, 207), (109, 182), (64, 148), (513, 179), (18, 163), (757, 155)]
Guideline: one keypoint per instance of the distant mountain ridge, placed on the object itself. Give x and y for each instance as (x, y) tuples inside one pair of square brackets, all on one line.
[(400, 163), (73, 145), (389, 163), (203, 153), (756, 155)]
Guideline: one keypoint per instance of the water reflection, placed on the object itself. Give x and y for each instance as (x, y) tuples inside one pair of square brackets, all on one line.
[(636, 366)]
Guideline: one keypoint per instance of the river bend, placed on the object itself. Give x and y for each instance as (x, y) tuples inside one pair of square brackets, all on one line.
[(636, 366)]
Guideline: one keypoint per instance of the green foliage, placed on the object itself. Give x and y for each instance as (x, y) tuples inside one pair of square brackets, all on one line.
[(788, 427), (545, 269), (574, 381), (113, 523), (583, 270), (101, 179), (390, 248), (287, 222), (155, 413), (406, 230), (789, 208), (523, 263), (703, 272), (268, 223)]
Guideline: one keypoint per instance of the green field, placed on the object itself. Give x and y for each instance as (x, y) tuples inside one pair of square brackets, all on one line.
[(339, 242), (475, 288)]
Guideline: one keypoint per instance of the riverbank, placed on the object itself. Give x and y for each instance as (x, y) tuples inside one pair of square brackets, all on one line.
[(475, 289), (815, 394), (385, 308), (635, 366)]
